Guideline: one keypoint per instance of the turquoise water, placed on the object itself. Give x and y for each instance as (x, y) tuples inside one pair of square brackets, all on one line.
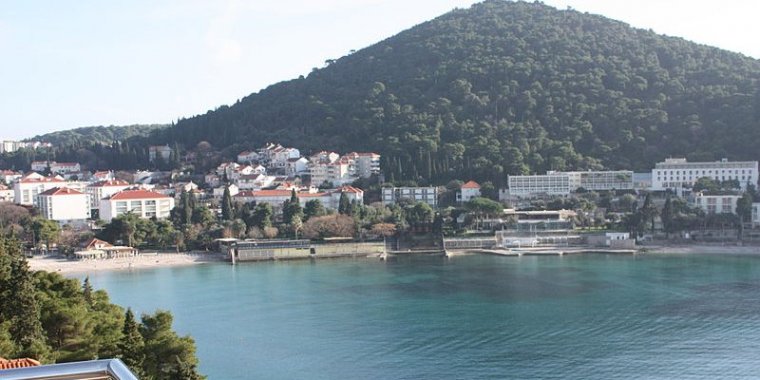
[(473, 317)]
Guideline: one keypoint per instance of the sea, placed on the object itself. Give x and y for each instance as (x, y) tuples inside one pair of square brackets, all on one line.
[(465, 317)]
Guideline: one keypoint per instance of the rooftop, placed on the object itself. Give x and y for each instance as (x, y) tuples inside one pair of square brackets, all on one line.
[(471, 185), (137, 194), (61, 191)]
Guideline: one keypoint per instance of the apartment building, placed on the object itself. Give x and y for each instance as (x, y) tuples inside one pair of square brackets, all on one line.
[(64, 205), (392, 195), (143, 203), (675, 173)]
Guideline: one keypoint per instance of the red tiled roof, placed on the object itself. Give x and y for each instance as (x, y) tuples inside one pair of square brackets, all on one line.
[(95, 241), (39, 180), (471, 185), (61, 191), (110, 182), (137, 194), (17, 363), (350, 189)]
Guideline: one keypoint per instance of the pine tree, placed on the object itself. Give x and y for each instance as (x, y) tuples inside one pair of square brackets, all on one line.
[(26, 328), (131, 345), (184, 371), (667, 216)]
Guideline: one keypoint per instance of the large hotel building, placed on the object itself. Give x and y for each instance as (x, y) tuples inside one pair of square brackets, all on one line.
[(676, 173)]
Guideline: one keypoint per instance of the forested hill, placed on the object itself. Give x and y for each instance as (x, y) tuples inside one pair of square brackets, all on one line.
[(99, 134), (506, 87)]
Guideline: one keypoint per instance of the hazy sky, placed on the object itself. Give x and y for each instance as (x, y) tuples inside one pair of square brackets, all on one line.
[(66, 64)]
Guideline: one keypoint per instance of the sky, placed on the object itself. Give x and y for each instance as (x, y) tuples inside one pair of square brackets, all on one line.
[(68, 64)]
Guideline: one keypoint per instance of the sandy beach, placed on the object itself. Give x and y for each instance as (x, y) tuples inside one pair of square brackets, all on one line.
[(705, 249), (142, 261)]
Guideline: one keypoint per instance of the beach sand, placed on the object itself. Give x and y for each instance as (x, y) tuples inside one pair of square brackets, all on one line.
[(702, 249), (142, 261)]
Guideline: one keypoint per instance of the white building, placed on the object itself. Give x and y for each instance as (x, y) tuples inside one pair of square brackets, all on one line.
[(9, 176), (143, 203), (469, 190), (297, 166), (219, 191), (716, 204), (675, 173), (364, 165), (65, 167), (40, 166), (64, 205), (26, 189), (756, 214), (544, 184), (104, 189), (247, 157), (564, 183), (6, 193), (162, 151), (330, 199), (428, 195)]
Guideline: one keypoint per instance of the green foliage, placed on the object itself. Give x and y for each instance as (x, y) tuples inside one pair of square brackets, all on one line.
[(421, 212), (313, 208), (99, 134), (228, 209), (507, 88), (46, 316), (262, 215)]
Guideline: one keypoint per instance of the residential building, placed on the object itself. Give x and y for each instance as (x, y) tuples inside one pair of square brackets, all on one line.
[(65, 167), (279, 157), (329, 198), (40, 166), (297, 166), (219, 191), (364, 165), (247, 157), (756, 214), (64, 205), (143, 203), (9, 176), (600, 180), (104, 189), (469, 190), (6, 193), (162, 151), (716, 204), (676, 173), (103, 175), (26, 189), (429, 195)]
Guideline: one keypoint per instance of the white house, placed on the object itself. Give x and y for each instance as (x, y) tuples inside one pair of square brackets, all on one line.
[(64, 205), (219, 191), (297, 166), (469, 190), (676, 173), (716, 204), (26, 189), (281, 155), (247, 157), (40, 166), (9, 176), (363, 165), (65, 167), (104, 189), (143, 203)]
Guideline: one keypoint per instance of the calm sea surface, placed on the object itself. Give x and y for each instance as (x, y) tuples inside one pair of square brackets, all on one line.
[(473, 317)]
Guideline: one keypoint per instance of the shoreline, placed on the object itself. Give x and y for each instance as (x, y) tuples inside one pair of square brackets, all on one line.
[(143, 261), (170, 260)]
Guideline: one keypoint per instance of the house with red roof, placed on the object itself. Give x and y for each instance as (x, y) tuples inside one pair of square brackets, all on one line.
[(27, 188), (64, 205), (143, 203), (17, 363), (469, 190), (104, 189), (329, 198)]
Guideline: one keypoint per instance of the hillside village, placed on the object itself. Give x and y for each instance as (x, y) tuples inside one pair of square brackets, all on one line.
[(276, 192)]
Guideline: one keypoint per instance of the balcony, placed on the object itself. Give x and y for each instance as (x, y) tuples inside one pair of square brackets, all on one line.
[(107, 369)]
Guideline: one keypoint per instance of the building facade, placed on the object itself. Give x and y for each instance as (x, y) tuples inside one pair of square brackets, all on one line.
[(64, 205), (469, 190), (104, 189), (429, 195), (675, 173), (143, 203), (716, 204), (26, 189)]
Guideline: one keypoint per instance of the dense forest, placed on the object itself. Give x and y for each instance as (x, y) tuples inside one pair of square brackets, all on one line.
[(508, 87), (55, 320), (100, 134), (500, 88)]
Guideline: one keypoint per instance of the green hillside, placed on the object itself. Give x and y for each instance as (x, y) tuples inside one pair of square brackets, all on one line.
[(99, 134), (504, 88)]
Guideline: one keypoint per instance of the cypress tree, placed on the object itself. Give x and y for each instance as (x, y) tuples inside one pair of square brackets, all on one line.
[(131, 345), (228, 209), (87, 291), (344, 206)]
